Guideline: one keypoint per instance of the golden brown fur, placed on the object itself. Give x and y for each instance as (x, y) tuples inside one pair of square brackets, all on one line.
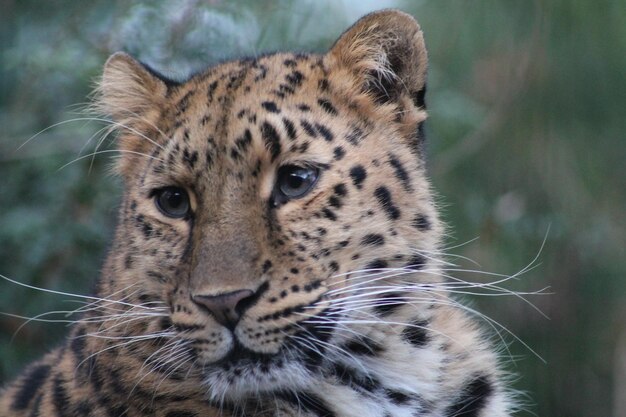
[(339, 308)]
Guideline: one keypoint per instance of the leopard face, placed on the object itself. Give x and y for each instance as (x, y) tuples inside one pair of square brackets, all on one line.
[(276, 208)]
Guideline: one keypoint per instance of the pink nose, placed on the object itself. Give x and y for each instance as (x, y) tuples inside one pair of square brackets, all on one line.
[(226, 308)]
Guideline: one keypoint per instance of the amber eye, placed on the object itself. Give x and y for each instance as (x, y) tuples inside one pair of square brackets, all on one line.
[(172, 202), (294, 181)]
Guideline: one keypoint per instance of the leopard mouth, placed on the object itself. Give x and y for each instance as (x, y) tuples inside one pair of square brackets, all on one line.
[(244, 373), (240, 356)]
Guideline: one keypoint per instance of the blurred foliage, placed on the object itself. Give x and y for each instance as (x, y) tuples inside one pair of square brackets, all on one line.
[(526, 134)]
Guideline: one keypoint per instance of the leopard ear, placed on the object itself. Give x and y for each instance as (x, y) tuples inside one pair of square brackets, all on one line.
[(128, 89), (385, 51), (134, 96)]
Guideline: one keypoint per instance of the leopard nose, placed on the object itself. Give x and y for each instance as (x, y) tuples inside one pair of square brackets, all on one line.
[(226, 308)]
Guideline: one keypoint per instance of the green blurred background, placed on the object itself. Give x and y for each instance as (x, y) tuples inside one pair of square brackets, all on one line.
[(526, 134)]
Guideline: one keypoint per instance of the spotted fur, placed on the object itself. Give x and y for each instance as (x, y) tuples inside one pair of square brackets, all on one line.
[(343, 313)]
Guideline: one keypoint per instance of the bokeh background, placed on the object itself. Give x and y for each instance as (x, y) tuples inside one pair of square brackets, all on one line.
[(526, 134)]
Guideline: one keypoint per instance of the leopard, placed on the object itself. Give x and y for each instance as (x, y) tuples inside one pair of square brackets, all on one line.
[(278, 249)]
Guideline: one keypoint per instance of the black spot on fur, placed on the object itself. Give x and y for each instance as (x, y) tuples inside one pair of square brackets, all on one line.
[(270, 106), (351, 377), (340, 189), (327, 106), (295, 78), (373, 240), (358, 175), (325, 132), (400, 172), (244, 141), (303, 147), (211, 91), (30, 385), (267, 265), (334, 201), (290, 128), (397, 397), (190, 158), (363, 347), (329, 214), (339, 153), (417, 333), (183, 103), (271, 139), (421, 223), (308, 128), (389, 304), (416, 262), (355, 136), (472, 400), (377, 264), (383, 196)]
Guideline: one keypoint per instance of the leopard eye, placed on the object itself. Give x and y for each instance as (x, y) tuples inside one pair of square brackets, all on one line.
[(294, 181), (172, 202)]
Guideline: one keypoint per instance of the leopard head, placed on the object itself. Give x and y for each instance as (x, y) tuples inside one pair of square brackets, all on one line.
[(276, 208)]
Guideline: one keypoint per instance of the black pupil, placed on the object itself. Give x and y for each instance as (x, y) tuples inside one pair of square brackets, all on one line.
[(294, 181), (173, 202), (174, 199)]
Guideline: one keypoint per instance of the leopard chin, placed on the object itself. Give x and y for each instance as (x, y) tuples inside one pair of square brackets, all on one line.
[(244, 374)]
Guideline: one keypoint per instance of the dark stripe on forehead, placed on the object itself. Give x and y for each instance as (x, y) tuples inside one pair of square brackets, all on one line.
[(271, 139)]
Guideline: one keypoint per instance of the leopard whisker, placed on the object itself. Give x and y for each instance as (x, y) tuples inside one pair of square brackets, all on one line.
[(117, 151), (331, 347), (42, 131), (148, 336), (366, 279), (115, 346), (157, 352), (67, 294), (363, 298), (125, 323), (177, 358), (153, 368), (177, 353), (495, 325), (379, 321), (451, 287)]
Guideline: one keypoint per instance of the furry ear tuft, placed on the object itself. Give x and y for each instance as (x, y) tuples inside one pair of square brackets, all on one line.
[(134, 96), (385, 51), (128, 89)]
